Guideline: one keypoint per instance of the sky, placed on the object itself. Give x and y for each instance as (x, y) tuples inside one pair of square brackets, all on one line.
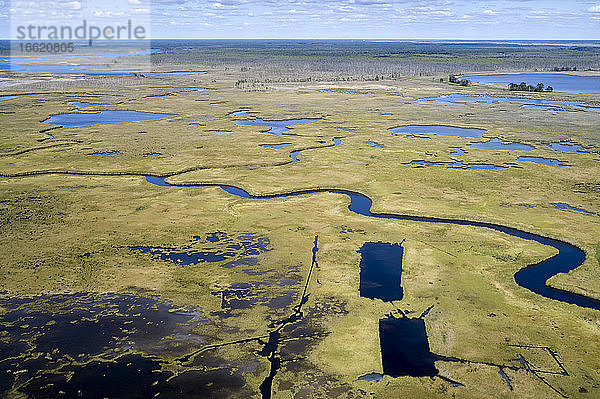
[(319, 19)]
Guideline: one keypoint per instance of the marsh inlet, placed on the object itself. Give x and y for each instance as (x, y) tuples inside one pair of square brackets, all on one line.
[(84, 119), (560, 82), (405, 348), (381, 271)]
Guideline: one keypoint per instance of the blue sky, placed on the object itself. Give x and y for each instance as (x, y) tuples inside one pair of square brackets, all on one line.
[(360, 19)]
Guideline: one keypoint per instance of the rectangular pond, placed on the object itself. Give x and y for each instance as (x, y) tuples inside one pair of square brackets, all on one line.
[(381, 271)]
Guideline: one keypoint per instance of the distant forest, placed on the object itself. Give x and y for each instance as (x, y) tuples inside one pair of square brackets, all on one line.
[(294, 60)]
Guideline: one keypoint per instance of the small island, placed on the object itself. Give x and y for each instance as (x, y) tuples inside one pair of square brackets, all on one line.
[(525, 87)]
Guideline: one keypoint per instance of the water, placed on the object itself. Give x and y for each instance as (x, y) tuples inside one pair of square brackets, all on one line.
[(154, 154), (381, 271), (84, 119), (457, 165), (2, 98), (462, 98), (103, 154), (367, 93), (442, 130), (185, 88), (371, 377), (238, 249), (71, 343), (498, 144), (276, 146), (567, 207), (162, 95), (533, 278), (405, 348), (374, 144), (567, 147), (543, 161), (275, 127), (80, 104), (242, 113), (294, 156), (218, 131), (337, 141), (185, 258), (560, 82), (457, 152)]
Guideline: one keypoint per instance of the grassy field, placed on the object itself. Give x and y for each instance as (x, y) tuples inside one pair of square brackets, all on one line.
[(68, 220)]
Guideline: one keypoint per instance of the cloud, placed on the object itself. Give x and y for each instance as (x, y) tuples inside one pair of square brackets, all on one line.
[(594, 8), (69, 5), (134, 2), (490, 12)]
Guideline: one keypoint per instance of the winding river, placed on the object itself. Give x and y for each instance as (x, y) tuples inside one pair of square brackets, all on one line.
[(532, 277)]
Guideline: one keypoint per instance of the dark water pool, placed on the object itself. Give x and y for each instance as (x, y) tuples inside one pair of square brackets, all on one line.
[(405, 348), (237, 249), (381, 271)]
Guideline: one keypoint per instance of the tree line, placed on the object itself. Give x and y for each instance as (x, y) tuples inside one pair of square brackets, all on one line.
[(525, 87)]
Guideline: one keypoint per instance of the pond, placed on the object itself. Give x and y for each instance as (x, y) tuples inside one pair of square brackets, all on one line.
[(543, 161), (103, 154), (567, 147), (442, 130), (461, 99), (405, 348), (457, 152), (559, 81), (498, 144), (275, 146), (458, 165), (80, 104), (236, 249), (381, 271), (277, 127), (84, 119), (2, 98), (72, 343)]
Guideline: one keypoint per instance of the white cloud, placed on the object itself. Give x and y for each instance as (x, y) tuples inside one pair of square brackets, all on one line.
[(134, 2), (490, 12), (140, 11), (594, 8), (69, 5)]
